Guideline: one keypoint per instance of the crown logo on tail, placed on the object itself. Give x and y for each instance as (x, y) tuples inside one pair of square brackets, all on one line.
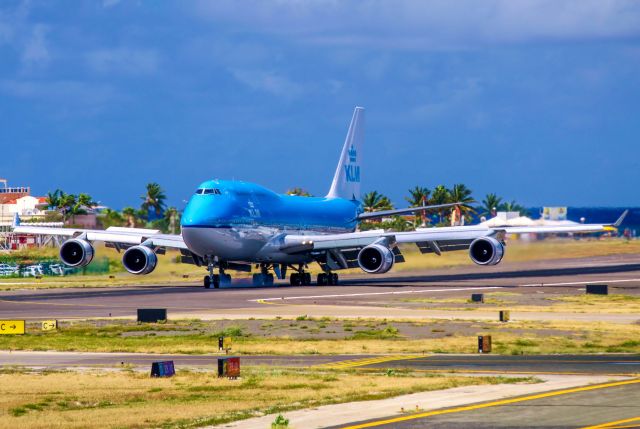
[(352, 154)]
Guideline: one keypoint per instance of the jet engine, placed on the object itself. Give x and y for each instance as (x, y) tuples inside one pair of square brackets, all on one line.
[(139, 260), (376, 259), (486, 251), (76, 252)]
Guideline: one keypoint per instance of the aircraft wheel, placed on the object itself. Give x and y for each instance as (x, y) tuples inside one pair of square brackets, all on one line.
[(268, 279), (306, 279), (322, 279), (258, 280), (295, 279), (216, 281), (207, 282), (335, 278)]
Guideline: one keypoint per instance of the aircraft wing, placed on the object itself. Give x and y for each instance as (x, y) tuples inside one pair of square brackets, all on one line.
[(394, 212), (340, 250), (118, 237)]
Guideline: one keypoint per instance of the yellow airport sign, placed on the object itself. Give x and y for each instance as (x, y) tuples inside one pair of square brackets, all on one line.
[(49, 325), (11, 327)]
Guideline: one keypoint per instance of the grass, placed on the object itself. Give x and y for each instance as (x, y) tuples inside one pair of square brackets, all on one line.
[(169, 271), (194, 399), (195, 337)]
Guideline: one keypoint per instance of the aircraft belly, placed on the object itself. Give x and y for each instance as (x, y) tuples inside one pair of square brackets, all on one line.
[(225, 243)]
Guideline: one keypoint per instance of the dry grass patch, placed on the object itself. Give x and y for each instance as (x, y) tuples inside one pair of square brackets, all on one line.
[(126, 399)]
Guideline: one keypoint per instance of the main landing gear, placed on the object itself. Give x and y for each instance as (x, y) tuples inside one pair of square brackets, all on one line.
[(213, 281), (328, 279), (302, 278), (264, 278)]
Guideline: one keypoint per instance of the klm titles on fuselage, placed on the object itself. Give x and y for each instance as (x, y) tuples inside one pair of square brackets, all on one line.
[(352, 172)]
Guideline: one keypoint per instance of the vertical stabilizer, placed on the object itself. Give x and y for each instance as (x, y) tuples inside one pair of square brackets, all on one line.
[(346, 181)]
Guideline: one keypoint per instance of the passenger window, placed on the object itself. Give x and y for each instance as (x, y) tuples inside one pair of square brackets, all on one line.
[(200, 191), (208, 191)]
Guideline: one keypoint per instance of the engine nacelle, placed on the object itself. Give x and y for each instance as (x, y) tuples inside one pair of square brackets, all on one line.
[(376, 259), (76, 252), (139, 260), (486, 251)]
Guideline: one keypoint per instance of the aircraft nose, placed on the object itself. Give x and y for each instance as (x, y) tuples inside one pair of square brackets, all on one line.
[(192, 212)]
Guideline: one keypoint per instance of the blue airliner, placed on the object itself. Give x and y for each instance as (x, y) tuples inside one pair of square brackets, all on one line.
[(235, 225)]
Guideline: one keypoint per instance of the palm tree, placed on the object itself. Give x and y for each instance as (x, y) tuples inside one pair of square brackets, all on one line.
[(461, 194), (514, 207), (67, 204), (299, 192), (419, 196), (172, 219), (490, 205), (86, 201), (53, 199), (153, 199), (374, 201), (130, 214), (110, 217), (440, 195)]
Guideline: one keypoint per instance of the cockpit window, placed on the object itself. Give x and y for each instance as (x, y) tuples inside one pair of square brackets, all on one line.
[(209, 191)]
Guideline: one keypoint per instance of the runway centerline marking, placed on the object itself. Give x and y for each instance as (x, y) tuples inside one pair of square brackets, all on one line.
[(491, 404), (579, 282), (354, 363), (344, 295)]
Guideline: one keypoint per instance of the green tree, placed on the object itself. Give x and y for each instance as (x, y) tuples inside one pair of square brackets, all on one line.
[(461, 194), (514, 207), (53, 199), (172, 220), (153, 199), (490, 205), (374, 201), (440, 195), (419, 196), (131, 216), (110, 217), (67, 205), (299, 192), (397, 223)]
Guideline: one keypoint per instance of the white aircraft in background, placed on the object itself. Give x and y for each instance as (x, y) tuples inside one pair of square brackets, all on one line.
[(234, 225)]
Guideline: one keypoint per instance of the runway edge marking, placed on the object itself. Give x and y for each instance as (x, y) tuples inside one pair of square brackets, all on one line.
[(615, 424), (346, 295), (491, 404), (354, 363)]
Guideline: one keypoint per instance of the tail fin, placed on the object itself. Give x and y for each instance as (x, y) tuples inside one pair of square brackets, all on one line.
[(16, 220), (346, 181)]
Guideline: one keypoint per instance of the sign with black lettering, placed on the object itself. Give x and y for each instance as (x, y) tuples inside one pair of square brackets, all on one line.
[(11, 327), (49, 325)]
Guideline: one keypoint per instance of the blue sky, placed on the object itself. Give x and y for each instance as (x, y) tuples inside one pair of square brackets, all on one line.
[(538, 101)]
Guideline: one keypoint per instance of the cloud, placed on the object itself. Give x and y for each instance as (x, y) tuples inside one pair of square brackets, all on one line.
[(268, 81), (35, 52), (434, 24), (124, 61)]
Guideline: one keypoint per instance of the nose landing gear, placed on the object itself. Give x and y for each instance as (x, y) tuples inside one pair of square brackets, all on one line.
[(213, 281)]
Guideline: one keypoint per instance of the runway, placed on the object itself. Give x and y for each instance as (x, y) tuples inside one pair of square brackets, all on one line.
[(608, 405), (357, 296), (604, 364)]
